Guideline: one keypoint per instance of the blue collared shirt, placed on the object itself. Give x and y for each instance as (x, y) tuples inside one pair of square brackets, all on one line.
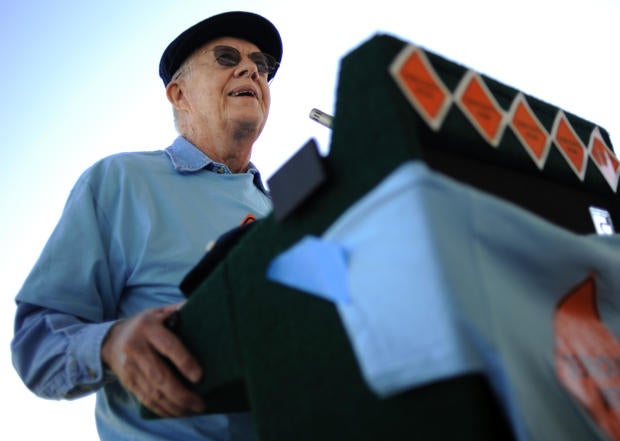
[(133, 226)]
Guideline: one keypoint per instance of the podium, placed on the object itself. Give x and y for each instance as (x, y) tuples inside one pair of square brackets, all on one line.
[(288, 356)]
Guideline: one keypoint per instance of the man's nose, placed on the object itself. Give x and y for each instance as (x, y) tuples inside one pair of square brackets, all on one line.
[(246, 67)]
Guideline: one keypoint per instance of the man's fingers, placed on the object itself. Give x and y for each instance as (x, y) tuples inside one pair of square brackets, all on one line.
[(138, 351), (169, 346), (169, 399), (161, 384)]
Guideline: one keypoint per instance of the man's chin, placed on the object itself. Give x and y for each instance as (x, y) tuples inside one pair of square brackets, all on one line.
[(247, 129)]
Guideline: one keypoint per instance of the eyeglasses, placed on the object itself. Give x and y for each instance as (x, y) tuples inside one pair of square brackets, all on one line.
[(228, 56)]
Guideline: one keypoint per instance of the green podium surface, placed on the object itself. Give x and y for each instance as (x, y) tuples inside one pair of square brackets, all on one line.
[(283, 354)]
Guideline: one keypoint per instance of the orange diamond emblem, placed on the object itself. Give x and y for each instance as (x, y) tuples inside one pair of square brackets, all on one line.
[(569, 144), (420, 83), (479, 105), (529, 130), (604, 159)]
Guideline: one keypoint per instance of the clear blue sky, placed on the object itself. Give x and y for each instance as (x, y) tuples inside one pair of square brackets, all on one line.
[(79, 82)]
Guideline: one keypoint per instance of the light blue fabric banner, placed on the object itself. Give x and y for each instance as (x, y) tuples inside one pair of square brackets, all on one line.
[(443, 279)]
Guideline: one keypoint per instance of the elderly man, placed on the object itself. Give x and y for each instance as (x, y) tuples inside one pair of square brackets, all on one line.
[(90, 314)]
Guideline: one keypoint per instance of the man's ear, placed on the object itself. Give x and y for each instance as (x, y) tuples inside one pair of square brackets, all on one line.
[(174, 93)]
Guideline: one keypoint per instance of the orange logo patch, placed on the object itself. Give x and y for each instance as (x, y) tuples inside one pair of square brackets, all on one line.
[(247, 219), (588, 356)]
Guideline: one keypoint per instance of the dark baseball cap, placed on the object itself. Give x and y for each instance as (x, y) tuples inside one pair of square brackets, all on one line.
[(244, 25)]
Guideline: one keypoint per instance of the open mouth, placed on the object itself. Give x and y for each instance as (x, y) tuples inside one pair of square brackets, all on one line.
[(243, 92)]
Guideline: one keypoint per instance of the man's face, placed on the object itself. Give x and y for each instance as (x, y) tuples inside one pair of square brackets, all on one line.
[(220, 98)]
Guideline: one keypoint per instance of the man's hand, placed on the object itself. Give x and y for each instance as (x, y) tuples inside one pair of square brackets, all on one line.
[(134, 348)]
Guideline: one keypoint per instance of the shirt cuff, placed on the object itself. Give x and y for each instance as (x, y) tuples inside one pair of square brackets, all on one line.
[(88, 370)]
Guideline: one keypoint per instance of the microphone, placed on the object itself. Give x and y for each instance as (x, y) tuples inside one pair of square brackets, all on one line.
[(321, 117)]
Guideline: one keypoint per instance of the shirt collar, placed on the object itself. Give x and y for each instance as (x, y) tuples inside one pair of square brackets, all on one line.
[(187, 158)]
